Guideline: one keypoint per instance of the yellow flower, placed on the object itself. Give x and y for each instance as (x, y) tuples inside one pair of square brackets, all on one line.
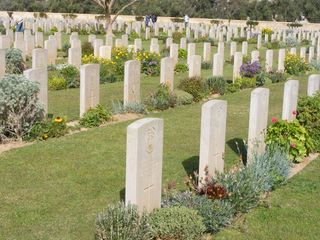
[(58, 120)]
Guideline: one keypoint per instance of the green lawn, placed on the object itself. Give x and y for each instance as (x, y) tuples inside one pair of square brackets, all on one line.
[(53, 189), (292, 212)]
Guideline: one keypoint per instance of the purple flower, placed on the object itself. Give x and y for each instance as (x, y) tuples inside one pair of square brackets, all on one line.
[(250, 69)]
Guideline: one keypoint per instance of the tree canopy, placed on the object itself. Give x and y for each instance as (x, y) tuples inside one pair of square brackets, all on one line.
[(280, 10)]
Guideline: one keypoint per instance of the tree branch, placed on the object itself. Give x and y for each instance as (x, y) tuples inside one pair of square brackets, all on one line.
[(100, 3), (122, 9)]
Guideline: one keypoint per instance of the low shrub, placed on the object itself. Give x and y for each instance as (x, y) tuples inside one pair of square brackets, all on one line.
[(20, 107), (305, 42), (183, 98), (216, 85), (53, 30), (150, 63), (65, 48), (291, 42), (181, 68), (183, 54), (95, 117), (57, 83), (71, 74), (246, 82), (86, 48), (233, 87), (249, 69), (216, 214), (121, 222), (290, 137), (309, 117), (176, 36), (294, 65), (179, 223), (194, 86), (315, 65), (275, 45), (161, 99), (206, 65), (52, 128), (14, 61), (119, 108)]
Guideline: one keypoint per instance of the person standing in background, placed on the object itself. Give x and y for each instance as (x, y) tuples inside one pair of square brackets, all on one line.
[(186, 21)]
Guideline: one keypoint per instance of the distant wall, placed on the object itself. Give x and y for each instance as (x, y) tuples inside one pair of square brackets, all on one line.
[(262, 24)]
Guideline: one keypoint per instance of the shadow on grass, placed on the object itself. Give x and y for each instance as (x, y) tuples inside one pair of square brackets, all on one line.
[(237, 145), (191, 165)]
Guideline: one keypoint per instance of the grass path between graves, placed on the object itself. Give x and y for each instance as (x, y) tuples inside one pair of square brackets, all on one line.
[(53, 189), (291, 212)]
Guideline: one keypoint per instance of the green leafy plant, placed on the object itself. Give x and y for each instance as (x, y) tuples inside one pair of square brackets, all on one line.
[(71, 74), (52, 128), (20, 107), (309, 117), (183, 98), (121, 222), (176, 36), (195, 86), (181, 68), (216, 85), (57, 83), (216, 214), (161, 99), (14, 61), (53, 30), (246, 82), (95, 117), (179, 223), (290, 137), (86, 48), (206, 65), (294, 65), (182, 53)]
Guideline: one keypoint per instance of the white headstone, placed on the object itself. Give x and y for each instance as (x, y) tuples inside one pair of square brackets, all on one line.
[(132, 82), (313, 84), (167, 72), (89, 87), (195, 66), (258, 120), (144, 164), (212, 140), (290, 100)]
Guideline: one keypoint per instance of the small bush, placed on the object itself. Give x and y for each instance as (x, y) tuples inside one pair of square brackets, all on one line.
[(119, 108), (294, 65), (179, 223), (249, 69), (183, 98), (20, 108), (121, 222), (194, 86), (216, 85), (71, 74), (65, 48), (206, 65), (53, 30), (309, 117), (183, 54), (176, 36), (86, 48), (95, 117), (216, 214), (57, 83), (162, 99), (291, 138), (181, 68), (292, 42), (14, 61), (233, 87), (245, 82), (51, 128)]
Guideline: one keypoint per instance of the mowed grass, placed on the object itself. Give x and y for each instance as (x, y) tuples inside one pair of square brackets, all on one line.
[(67, 102), (292, 212), (53, 189)]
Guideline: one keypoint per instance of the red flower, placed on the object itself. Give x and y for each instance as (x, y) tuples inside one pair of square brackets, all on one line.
[(294, 112), (274, 120)]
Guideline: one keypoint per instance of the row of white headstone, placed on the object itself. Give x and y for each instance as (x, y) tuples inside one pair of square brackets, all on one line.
[(144, 154)]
